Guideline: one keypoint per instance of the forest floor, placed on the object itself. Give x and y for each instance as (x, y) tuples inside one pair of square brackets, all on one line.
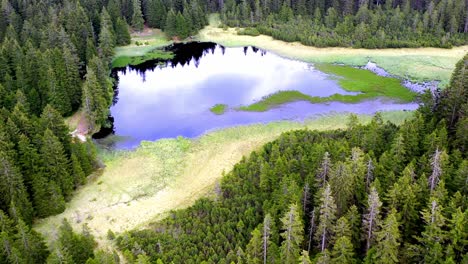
[(415, 64), (138, 187)]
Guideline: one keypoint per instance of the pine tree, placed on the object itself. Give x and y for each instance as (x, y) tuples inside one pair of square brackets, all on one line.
[(388, 240), (292, 235), (326, 218), (137, 18), (371, 219)]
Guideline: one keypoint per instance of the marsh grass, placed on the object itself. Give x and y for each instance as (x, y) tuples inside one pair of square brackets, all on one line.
[(219, 109), (123, 61), (143, 47)]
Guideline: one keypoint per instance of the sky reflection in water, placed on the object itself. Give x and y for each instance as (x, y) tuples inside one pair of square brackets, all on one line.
[(173, 101)]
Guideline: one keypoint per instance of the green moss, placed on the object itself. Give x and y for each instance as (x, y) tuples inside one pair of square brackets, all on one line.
[(123, 61), (218, 109)]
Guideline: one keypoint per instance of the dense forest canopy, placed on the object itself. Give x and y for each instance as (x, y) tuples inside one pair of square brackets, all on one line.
[(369, 194), (353, 23), (55, 59)]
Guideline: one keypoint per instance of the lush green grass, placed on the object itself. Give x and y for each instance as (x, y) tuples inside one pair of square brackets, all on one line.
[(274, 100), (123, 61), (364, 81), (368, 84), (219, 109)]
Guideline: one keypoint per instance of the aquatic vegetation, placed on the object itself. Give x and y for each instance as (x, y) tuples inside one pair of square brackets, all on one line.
[(156, 54), (219, 109)]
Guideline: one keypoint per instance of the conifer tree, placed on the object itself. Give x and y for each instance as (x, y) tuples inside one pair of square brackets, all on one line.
[(324, 170), (254, 248), (371, 219), (304, 258), (106, 38), (56, 165), (342, 251), (94, 102), (434, 235), (156, 14), (122, 34), (388, 240), (170, 26), (292, 235), (137, 18), (342, 184), (14, 197), (326, 218)]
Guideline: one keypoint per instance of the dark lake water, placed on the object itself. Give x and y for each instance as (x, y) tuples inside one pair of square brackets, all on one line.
[(165, 100)]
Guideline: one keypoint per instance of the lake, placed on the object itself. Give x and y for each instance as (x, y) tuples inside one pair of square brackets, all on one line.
[(157, 100)]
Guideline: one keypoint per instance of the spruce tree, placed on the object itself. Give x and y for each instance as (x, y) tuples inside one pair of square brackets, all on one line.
[(14, 197), (371, 219), (122, 34), (292, 235), (106, 38), (388, 240), (327, 218), (56, 164), (137, 18), (342, 251)]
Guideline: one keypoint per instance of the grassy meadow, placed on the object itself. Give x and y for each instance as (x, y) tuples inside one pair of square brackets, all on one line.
[(140, 186), (415, 64)]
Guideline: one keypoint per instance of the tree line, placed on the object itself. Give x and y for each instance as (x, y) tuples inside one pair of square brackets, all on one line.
[(373, 193), (353, 23)]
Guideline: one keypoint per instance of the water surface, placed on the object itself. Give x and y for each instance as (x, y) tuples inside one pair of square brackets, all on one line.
[(165, 100)]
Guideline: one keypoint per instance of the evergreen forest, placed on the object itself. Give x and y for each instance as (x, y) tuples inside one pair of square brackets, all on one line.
[(374, 193), (368, 194)]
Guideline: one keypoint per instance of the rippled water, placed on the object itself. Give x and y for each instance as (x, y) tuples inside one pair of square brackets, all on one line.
[(173, 99)]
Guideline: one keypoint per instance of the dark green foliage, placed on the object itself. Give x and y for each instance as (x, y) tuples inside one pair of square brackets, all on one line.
[(78, 246), (137, 17), (122, 34), (373, 198), (441, 23)]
